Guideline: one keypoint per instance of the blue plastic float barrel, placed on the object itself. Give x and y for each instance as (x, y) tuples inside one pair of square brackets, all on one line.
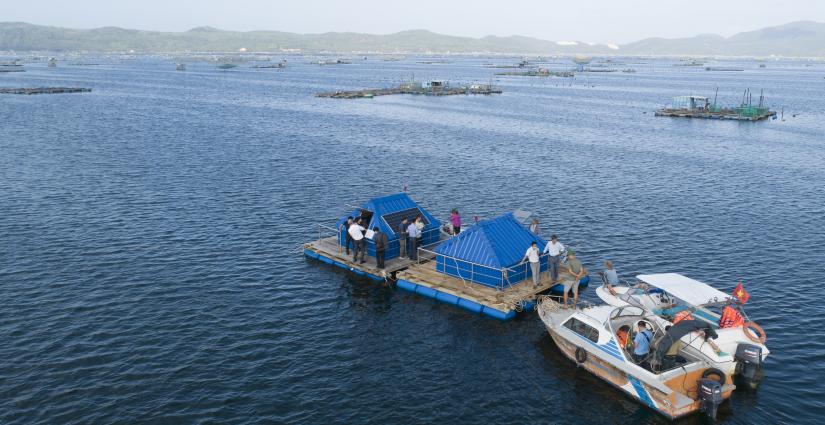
[(406, 285), (311, 254), (498, 314), (425, 291), (375, 278), (326, 259), (447, 298), (470, 306)]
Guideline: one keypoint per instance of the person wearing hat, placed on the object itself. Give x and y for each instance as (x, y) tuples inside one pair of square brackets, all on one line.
[(575, 269), (554, 248)]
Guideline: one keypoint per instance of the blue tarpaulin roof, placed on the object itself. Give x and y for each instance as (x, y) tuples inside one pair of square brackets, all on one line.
[(385, 211), (498, 242)]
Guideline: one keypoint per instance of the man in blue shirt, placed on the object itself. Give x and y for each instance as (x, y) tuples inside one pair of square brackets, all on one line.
[(641, 343)]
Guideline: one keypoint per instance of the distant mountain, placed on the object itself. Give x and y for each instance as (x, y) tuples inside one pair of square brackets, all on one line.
[(794, 39)]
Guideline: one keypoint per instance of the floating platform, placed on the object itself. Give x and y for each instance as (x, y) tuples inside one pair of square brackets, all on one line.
[(11, 69), (44, 90), (435, 88), (424, 279), (714, 115), (538, 73), (329, 251)]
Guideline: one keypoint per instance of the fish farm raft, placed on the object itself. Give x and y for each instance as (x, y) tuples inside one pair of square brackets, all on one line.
[(541, 72), (433, 88), (701, 107), (479, 270), (45, 90)]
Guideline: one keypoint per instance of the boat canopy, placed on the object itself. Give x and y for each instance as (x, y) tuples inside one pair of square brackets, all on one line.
[(686, 289)]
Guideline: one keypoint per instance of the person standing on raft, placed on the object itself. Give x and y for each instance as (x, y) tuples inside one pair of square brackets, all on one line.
[(554, 248), (381, 242), (402, 239), (455, 220), (532, 255)]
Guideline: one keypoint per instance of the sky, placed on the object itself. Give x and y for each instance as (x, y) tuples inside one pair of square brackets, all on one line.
[(602, 21)]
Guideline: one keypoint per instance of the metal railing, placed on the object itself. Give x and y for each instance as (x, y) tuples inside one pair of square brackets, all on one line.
[(325, 231), (502, 274)]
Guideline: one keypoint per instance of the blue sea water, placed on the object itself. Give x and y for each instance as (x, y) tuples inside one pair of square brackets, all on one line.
[(148, 230)]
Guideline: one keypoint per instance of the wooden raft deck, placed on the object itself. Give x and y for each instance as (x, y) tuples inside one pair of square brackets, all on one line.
[(511, 298), (330, 248)]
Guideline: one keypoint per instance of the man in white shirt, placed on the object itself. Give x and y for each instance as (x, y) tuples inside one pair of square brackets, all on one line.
[(532, 255), (356, 231), (554, 248), (412, 235)]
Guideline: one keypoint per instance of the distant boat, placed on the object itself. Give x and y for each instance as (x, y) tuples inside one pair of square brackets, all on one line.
[(226, 66), (180, 67), (52, 63)]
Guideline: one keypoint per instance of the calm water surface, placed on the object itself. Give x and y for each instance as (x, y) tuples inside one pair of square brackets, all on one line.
[(148, 229)]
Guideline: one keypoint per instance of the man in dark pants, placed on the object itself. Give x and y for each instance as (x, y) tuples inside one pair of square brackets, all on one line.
[(381, 242), (359, 242), (402, 239), (345, 228), (413, 234)]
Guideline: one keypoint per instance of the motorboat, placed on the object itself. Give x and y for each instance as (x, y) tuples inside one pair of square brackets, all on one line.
[(672, 296), (592, 337)]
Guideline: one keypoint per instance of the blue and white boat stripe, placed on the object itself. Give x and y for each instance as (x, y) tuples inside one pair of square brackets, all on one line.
[(641, 391)]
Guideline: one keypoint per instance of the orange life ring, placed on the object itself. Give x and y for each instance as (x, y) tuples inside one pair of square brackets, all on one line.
[(759, 336)]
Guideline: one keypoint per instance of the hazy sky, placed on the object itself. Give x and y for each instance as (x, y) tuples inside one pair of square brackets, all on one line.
[(603, 21)]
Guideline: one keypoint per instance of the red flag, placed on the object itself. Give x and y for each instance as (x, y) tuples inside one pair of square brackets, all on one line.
[(741, 294)]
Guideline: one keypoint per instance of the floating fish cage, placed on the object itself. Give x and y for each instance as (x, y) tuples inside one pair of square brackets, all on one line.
[(478, 270), (701, 107)]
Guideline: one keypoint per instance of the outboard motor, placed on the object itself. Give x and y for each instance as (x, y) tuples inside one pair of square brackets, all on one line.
[(710, 396), (748, 361)]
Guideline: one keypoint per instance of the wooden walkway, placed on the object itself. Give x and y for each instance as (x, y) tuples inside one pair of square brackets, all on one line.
[(511, 298), (330, 248)]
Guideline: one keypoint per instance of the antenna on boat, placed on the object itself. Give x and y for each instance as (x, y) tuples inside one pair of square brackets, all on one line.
[(715, 96)]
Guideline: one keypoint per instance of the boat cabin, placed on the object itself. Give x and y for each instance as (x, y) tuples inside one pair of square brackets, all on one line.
[(613, 329)]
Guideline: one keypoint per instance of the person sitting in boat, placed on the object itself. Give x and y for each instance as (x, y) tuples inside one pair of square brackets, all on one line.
[(641, 344), (672, 357), (622, 336), (611, 278)]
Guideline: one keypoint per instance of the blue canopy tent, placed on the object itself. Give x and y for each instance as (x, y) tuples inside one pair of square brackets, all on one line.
[(488, 253), (386, 213)]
